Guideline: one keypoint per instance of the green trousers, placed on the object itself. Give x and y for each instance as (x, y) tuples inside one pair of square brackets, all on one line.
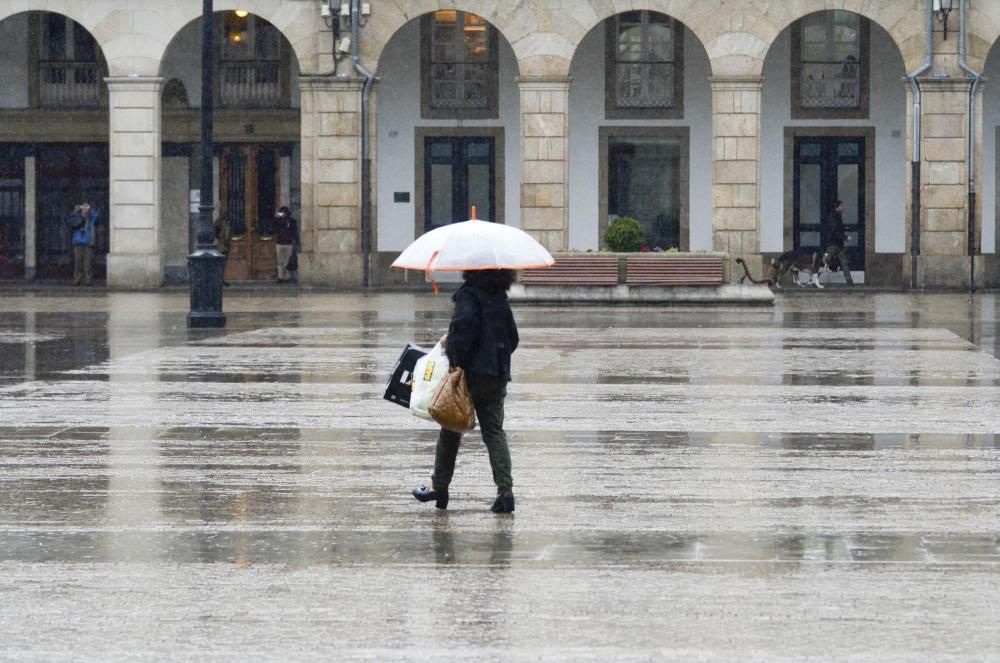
[(488, 395)]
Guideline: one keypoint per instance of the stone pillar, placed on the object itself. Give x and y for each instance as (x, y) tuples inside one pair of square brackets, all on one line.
[(736, 168), (944, 190), (134, 260), (331, 181), (545, 159)]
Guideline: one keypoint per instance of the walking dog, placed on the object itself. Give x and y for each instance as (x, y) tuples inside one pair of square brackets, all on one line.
[(794, 262)]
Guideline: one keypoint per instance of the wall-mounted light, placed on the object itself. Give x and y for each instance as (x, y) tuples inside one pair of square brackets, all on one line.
[(242, 13), (941, 9)]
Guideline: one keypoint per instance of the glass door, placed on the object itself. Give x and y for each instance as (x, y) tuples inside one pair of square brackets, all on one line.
[(644, 183), (459, 172), (828, 169)]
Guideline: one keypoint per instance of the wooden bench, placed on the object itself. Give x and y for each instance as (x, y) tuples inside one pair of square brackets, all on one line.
[(673, 271), (575, 271)]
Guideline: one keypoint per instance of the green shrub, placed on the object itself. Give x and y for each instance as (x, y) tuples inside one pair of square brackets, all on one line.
[(624, 235)]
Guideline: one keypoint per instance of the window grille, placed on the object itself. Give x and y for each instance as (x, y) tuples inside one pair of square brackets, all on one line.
[(460, 67), (644, 60), (833, 61)]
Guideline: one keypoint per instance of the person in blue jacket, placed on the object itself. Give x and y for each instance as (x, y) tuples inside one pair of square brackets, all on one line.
[(82, 221), (481, 338)]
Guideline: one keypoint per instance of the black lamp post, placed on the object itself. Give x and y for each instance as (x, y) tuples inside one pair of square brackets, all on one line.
[(206, 264)]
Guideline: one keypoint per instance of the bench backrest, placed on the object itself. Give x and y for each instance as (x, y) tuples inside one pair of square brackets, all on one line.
[(583, 270), (673, 271)]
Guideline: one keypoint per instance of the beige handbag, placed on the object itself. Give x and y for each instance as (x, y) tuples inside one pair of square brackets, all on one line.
[(452, 404)]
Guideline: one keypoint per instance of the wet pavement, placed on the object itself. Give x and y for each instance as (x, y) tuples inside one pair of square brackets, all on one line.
[(818, 480)]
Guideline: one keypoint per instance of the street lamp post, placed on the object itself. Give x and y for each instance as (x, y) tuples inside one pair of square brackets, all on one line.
[(206, 264)]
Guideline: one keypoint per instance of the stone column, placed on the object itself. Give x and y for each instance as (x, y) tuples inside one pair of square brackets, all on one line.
[(331, 181), (134, 109), (944, 183), (736, 168), (545, 159)]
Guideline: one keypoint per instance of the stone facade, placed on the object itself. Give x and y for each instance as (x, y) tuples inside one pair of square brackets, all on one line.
[(331, 181), (736, 173), (545, 159), (134, 260), (543, 35)]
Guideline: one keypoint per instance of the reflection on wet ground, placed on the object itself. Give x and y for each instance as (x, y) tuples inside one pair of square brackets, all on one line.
[(814, 480)]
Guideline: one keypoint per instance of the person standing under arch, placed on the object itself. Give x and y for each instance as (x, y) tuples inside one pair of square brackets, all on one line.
[(82, 221), (286, 242)]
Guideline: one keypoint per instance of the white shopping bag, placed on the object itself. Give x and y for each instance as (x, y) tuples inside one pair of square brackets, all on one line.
[(428, 373)]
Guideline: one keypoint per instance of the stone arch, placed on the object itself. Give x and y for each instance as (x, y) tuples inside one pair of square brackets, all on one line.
[(515, 23), (878, 121), (405, 120), (191, 32), (984, 33), (596, 121), (20, 22), (904, 22), (134, 40), (78, 10)]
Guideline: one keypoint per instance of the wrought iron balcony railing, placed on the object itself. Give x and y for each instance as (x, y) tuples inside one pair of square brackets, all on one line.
[(250, 84), (830, 85), (69, 84)]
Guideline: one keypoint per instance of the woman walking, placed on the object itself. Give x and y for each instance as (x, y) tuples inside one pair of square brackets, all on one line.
[(481, 338)]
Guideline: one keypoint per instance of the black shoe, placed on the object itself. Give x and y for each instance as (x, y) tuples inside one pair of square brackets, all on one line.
[(425, 494), (504, 503)]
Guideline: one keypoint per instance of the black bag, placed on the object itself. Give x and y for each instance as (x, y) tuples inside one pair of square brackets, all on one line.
[(400, 384), (293, 262)]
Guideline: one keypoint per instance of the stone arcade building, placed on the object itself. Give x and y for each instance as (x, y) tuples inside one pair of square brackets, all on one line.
[(729, 125)]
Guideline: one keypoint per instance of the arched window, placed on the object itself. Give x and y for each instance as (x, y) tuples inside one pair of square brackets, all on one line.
[(459, 65), (175, 94), (70, 67), (830, 66), (644, 66), (252, 67)]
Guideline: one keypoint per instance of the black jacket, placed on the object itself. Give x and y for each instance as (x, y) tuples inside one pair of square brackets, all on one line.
[(836, 234), (482, 334)]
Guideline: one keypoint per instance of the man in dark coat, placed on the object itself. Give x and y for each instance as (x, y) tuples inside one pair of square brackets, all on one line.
[(286, 241), (836, 238), (481, 338)]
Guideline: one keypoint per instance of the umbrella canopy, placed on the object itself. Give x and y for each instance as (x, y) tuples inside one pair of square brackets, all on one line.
[(471, 245)]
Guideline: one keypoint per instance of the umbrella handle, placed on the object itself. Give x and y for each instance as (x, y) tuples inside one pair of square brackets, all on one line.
[(427, 272)]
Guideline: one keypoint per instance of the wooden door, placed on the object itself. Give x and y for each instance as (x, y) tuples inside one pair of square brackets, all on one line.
[(249, 182)]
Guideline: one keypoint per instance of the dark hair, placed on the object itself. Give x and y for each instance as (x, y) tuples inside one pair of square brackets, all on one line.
[(287, 212), (838, 203), (490, 280)]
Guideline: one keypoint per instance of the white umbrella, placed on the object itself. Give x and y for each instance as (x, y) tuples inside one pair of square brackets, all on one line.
[(472, 245)]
